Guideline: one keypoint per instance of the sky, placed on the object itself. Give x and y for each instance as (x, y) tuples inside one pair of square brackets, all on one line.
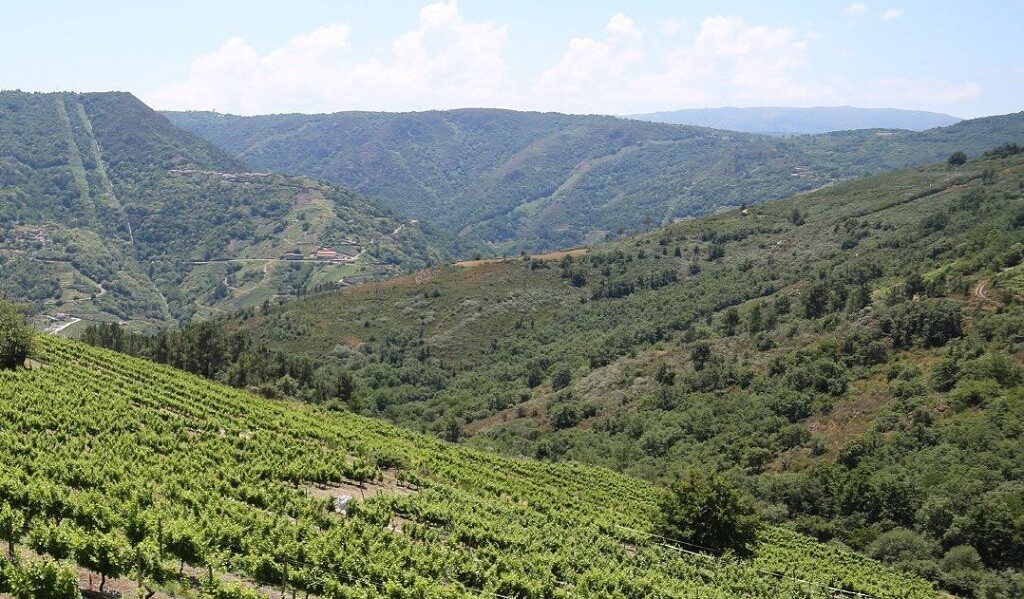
[(597, 56)]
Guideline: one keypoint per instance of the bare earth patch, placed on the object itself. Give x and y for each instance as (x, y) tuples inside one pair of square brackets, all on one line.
[(389, 485), (575, 253)]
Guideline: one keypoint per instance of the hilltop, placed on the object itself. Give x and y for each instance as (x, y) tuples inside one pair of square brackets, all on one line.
[(780, 120), (110, 212), (526, 181), (839, 351), (137, 472)]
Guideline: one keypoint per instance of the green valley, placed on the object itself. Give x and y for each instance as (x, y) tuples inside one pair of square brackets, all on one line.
[(543, 181)]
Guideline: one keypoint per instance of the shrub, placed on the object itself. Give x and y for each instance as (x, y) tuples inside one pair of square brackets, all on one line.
[(707, 511), (968, 393), (561, 379), (902, 546), (565, 416), (45, 579), (15, 336)]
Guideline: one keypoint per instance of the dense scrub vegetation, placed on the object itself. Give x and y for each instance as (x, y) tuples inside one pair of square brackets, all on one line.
[(851, 356), (135, 472), (15, 336), (531, 181), (109, 212)]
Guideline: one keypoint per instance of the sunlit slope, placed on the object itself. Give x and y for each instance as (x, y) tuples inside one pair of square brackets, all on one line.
[(110, 212), (100, 445), (540, 181)]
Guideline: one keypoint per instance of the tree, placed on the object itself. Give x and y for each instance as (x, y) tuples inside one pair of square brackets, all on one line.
[(451, 430), (707, 511), (957, 158), (561, 378), (565, 416), (15, 336), (700, 354)]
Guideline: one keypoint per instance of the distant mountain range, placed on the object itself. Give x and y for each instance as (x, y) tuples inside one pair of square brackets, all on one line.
[(779, 120), (540, 181), (109, 212)]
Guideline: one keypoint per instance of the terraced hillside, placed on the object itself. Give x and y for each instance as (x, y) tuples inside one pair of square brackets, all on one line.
[(853, 355), (109, 212), (130, 471), (538, 182)]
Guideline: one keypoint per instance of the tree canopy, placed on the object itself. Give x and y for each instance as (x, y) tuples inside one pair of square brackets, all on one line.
[(15, 336), (706, 510)]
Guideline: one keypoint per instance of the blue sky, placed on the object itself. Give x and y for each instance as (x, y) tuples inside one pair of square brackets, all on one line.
[(598, 56)]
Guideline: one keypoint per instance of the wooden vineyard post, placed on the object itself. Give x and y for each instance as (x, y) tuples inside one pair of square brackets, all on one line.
[(138, 572), (160, 538), (10, 539)]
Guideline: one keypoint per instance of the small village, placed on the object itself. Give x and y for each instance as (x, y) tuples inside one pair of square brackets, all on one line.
[(323, 254)]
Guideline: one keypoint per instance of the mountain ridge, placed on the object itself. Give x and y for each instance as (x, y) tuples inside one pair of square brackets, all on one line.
[(110, 212), (538, 181), (784, 120)]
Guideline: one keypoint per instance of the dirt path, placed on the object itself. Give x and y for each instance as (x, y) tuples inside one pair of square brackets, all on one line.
[(981, 291), (56, 328)]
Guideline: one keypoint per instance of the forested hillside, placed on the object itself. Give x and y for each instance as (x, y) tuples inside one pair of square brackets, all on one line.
[(109, 212), (852, 355), (533, 181), (138, 476)]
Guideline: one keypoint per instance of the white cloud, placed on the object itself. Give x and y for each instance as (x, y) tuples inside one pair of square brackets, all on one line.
[(729, 61), (892, 14), (672, 26), (445, 61), (855, 10), (622, 25)]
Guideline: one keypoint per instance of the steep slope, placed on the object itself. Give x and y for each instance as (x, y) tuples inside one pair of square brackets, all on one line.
[(531, 181), (130, 469), (780, 120), (108, 211), (845, 350)]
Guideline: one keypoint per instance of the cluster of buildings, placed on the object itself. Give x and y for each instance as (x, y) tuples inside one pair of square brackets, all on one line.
[(321, 255)]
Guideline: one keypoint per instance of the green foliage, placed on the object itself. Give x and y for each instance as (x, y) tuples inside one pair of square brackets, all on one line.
[(15, 336), (707, 512), (561, 378), (236, 484), (957, 158), (44, 579), (1005, 151), (927, 323), (565, 415), (109, 212), (532, 181), (906, 376)]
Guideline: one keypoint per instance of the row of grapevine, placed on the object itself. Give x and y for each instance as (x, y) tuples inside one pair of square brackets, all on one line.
[(124, 467)]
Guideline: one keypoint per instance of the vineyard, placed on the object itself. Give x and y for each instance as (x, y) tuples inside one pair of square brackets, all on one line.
[(126, 470)]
